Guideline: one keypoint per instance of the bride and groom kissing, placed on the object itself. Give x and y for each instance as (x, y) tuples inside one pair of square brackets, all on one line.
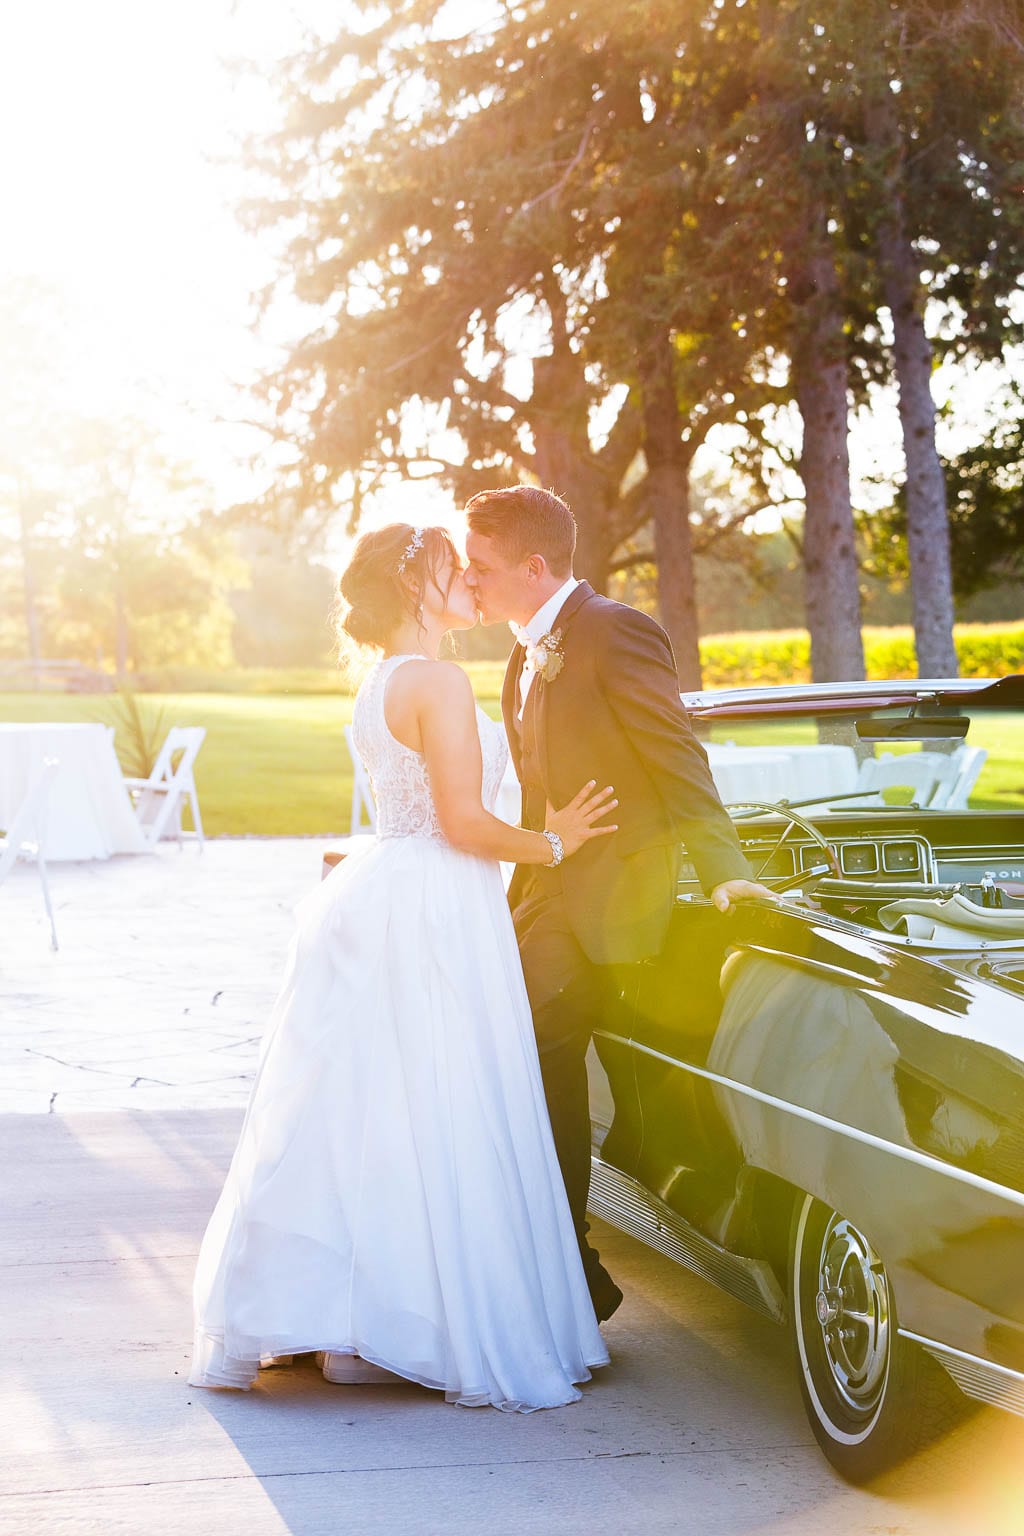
[(408, 1194)]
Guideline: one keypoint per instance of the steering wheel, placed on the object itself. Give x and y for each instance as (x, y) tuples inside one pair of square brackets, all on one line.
[(780, 808)]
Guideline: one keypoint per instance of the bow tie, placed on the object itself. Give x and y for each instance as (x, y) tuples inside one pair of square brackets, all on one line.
[(521, 633)]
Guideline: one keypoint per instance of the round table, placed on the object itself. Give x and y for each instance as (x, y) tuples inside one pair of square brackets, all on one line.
[(89, 813), (781, 773), (748, 773), (821, 768)]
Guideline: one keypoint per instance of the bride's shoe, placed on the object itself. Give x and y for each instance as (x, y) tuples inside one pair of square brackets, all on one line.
[(354, 1371)]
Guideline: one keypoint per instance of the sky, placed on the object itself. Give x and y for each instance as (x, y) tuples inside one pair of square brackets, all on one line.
[(119, 173), (120, 124)]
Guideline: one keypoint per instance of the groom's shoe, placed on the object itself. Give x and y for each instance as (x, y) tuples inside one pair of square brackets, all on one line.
[(354, 1371), (604, 1293), (607, 1301)]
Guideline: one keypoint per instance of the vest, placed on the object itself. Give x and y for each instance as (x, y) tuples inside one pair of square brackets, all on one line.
[(534, 797)]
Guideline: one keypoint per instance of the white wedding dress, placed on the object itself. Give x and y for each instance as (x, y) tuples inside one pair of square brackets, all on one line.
[(395, 1192)]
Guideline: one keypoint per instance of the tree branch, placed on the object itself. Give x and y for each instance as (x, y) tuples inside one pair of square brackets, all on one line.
[(554, 190), (629, 562)]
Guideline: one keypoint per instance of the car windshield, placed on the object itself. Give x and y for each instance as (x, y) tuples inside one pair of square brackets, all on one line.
[(972, 758)]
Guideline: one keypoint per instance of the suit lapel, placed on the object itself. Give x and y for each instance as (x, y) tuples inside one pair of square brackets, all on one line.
[(535, 715)]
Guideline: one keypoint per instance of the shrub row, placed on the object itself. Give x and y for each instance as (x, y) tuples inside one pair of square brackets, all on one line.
[(784, 655)]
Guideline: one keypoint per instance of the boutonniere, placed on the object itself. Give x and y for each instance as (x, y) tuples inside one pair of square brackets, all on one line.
[(546, 657)]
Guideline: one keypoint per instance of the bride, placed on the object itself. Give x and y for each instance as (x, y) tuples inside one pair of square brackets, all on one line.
[(395, 1195)]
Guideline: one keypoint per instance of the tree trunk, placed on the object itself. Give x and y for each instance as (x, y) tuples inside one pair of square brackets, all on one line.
[(831, 575), (564, 471), (593, 557), (564, 459), (28, 579), (668, 501), (931, 580)]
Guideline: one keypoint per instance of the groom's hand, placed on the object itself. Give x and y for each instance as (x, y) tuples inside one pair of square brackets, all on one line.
[(729, 891)]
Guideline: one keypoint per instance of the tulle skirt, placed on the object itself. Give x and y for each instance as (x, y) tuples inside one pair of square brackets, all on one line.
[(395, 1191)]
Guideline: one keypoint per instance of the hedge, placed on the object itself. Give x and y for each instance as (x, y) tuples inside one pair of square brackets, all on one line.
[(784, 655)]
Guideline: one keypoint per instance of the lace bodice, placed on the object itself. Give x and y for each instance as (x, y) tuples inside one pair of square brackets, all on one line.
[(398, 775)]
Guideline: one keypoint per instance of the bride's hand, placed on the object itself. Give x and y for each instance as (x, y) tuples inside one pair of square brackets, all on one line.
[(574, 823)]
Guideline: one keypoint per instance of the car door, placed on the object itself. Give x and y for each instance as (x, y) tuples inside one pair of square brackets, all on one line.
[(684, 1153)]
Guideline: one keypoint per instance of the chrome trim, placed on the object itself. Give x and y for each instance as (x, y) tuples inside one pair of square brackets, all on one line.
[(866, 1138), (979, 853), (857, 846), (924, 870), (981, 1379), (627, 1204), (905, 690), (853, 1309)]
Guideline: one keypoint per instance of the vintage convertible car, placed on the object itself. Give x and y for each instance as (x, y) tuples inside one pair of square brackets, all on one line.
[(818, 1105)]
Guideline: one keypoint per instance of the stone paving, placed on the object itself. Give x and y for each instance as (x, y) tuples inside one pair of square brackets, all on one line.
[(124, 1066), (167, 967)]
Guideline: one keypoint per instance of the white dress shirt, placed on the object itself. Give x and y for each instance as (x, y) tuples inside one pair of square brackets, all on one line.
[(529, 634)]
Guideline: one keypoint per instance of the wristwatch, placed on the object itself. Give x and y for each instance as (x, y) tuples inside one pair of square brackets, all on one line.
[(558, 852)]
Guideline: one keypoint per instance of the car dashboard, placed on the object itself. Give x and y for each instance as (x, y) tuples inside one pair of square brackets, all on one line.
[(885, 856)]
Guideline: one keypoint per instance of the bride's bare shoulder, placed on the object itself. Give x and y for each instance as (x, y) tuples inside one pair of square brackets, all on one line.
[(438, 683)]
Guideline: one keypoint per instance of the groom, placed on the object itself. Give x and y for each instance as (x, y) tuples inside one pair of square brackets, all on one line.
[(591, 692)]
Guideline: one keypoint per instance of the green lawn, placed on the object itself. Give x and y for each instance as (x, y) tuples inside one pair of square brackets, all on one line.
[(274, 764), (277, 764)]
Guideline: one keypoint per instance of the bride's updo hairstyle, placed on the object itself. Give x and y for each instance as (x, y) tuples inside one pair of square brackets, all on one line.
[(376, 584)]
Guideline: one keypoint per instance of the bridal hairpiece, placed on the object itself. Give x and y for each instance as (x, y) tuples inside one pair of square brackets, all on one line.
[(414, 545)]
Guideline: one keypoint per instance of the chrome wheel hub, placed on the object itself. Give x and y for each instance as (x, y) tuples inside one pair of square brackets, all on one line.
[(852, 1307)]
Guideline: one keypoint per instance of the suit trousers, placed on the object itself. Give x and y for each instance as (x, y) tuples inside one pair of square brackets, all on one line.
[(568, 994)]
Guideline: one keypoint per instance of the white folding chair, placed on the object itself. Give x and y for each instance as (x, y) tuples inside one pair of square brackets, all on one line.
[(26, 835), (953, 793), (160, 799), (362, 793)]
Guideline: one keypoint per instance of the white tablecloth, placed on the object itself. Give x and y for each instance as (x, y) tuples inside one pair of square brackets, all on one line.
[(777, 773), (748, 773), (825, 769), (89, 814)]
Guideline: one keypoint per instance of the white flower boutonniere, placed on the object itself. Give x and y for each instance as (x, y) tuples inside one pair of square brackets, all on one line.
[(546, 657)]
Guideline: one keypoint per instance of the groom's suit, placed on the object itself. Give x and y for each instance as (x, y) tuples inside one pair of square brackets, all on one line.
[(612, 714)]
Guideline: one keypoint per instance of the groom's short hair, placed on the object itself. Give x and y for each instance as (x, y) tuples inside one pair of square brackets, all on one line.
[(524, 520)]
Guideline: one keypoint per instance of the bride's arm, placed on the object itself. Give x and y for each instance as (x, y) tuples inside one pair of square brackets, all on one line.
[(446, 714)]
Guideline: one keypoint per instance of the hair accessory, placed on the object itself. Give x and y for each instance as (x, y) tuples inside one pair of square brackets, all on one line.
[(414, 545)]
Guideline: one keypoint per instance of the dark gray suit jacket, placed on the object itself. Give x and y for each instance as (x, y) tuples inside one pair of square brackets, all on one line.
[(614, 714)]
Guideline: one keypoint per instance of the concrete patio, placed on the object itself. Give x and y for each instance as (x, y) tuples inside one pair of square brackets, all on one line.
[(124, 1062)]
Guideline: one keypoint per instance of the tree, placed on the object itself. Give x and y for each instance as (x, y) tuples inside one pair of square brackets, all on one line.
[(661, 217), (519, 218), (142, 574), (984, 489), (282, 616), (426, 182), (942, 136), (778, 174), (664, 327), (986, 496)]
